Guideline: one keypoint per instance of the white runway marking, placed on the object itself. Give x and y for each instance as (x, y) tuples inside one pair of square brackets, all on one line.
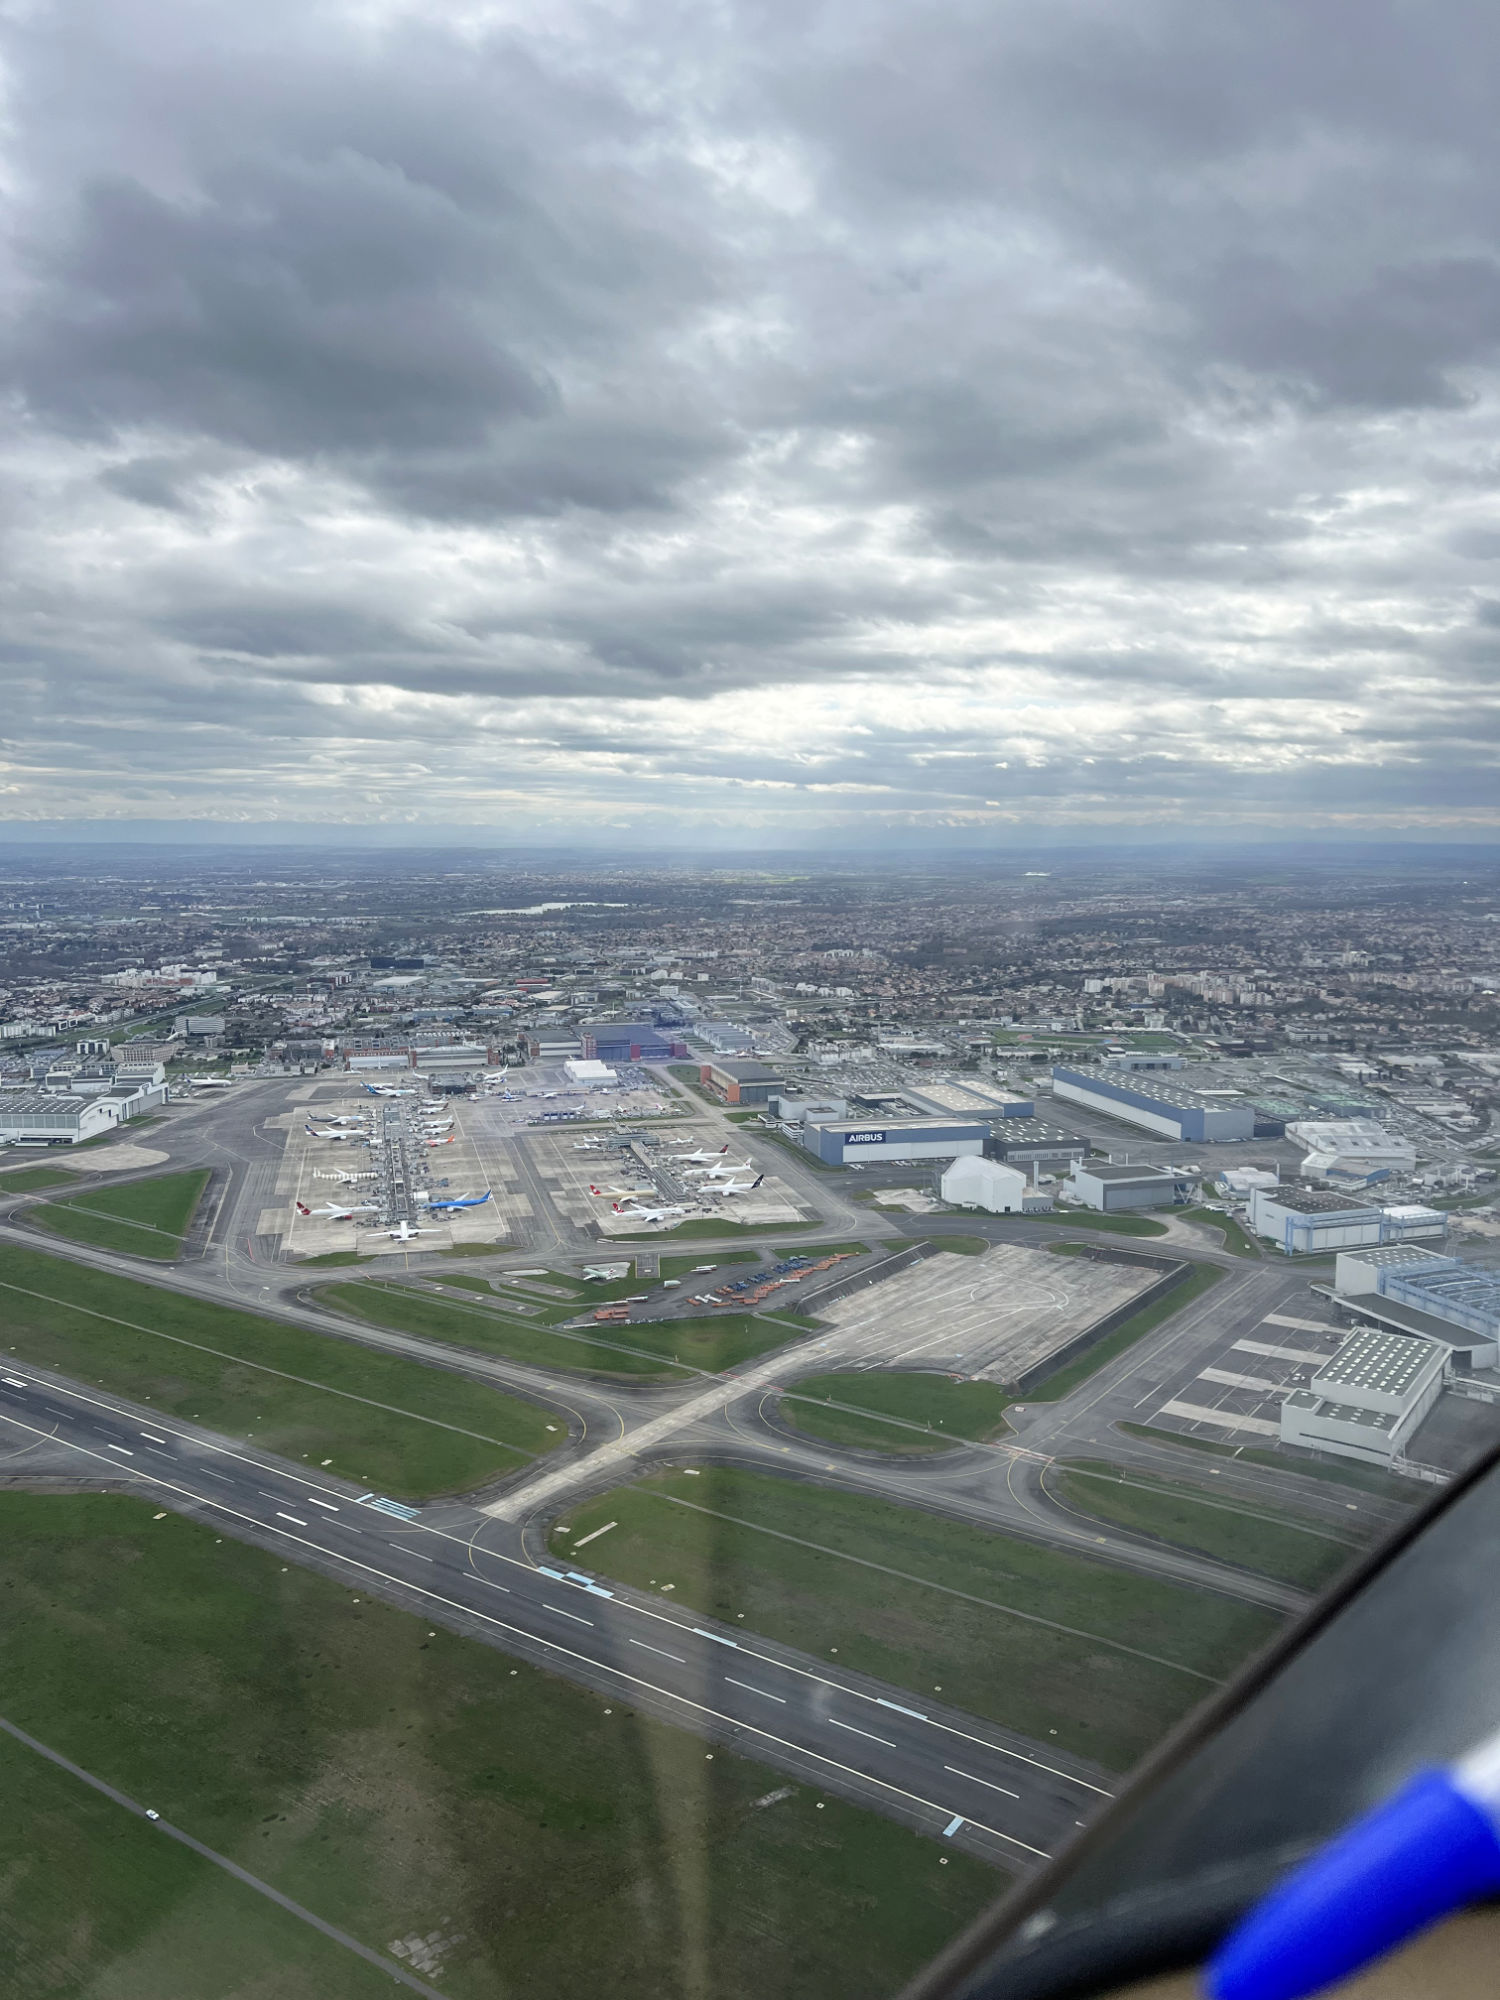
[(885, 1740), (568, 1614), (763, 1692), (980, 1781), (659, 1651), (293, 1519), (1302, 1325)]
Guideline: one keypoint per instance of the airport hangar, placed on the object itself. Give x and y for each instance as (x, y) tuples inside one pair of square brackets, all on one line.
[(1169, 1112), (839, 1142)]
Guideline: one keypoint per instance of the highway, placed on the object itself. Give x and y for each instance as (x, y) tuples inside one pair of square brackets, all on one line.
[(986, 1789)]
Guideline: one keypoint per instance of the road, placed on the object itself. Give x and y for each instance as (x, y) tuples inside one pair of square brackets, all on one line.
[(986, 1789)]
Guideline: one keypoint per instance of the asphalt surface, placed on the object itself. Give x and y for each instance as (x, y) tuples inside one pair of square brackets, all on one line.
[(988, 1790)]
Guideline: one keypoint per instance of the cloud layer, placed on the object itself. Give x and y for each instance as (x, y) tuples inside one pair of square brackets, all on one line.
[(647, 415)]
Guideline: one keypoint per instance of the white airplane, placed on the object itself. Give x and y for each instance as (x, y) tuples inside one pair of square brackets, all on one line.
[(337, 1138), (211, 1082), (718, 1173), (590, 1145), (739, 1187), (437, 1124), (390, 1090), (331, 1212), (700, 1155), (405, 1231), (605, 1193), (649, 1214)]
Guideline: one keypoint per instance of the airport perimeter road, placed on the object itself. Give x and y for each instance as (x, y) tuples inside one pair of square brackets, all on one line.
[(997, 1794)]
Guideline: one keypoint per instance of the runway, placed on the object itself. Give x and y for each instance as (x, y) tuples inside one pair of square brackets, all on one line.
[(990, 1791)]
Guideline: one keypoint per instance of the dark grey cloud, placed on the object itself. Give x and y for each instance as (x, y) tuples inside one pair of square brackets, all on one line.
[(768, 410)]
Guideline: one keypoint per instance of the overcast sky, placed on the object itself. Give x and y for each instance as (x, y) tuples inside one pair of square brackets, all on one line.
[(699, 414)]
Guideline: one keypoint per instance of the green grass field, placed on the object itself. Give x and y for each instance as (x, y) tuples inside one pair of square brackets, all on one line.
[(652, 1351), (1225, 1226), (378, 1418), (876, 1409), (145, 1218), (1271, 1544), (928, 1603), (1146, 1320), (33, 1180), (1341, 1471), (396, 1780)]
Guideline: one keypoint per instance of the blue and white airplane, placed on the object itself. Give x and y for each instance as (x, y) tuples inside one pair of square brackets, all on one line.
[(461, 1201)]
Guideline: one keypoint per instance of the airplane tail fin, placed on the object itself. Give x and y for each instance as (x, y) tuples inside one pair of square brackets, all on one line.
[(757, 1181), (303, 1209)]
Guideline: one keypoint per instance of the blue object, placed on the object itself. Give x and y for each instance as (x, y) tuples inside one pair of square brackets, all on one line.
[(1428, 1851)]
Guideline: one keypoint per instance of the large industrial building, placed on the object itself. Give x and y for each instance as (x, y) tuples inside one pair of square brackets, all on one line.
[(1367, 1400), (1306, 1220), (630, 1041), (1036, 1145), (1170, 1111), (1356, 1151), (1110, 1189), (48, 1118), (967, 1099), (1410, 1290), (741, 1081), (842, 1142)]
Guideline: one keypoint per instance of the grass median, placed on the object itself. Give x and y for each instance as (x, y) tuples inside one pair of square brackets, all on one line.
[(894, 1410), (33, 1180), (648, 1351), (397, 1781), (1226, 1227), (1035, 1638), (143, 1218), (377, 1418), (1270, 1544)]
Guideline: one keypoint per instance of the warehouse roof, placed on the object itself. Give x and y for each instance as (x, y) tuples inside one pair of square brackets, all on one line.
[(1315, 1201), (1370, 1359)]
